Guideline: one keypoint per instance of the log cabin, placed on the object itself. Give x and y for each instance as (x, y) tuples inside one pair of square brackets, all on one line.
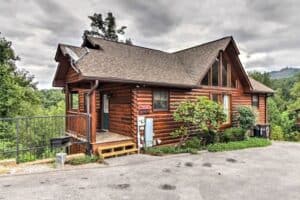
[(110, 86)]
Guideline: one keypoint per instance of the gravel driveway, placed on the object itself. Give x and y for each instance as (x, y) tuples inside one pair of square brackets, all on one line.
[(261, 173)]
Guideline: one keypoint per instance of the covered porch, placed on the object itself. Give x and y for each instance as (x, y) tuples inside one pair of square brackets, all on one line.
[(100, 117)]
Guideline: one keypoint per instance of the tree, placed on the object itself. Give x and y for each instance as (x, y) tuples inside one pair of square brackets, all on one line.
[(203, 114), (17, 91), (106, 29), (264, 77)]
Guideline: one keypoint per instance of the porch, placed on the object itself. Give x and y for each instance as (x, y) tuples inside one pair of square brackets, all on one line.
[(102, 117), (109, 137)]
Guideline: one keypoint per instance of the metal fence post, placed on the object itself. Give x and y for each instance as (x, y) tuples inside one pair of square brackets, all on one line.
[(17, 140)]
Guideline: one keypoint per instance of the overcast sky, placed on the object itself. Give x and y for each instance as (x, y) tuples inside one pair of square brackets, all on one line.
[(267, 32)]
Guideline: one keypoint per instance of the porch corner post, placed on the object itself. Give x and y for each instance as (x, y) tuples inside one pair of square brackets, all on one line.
[(92, 116)]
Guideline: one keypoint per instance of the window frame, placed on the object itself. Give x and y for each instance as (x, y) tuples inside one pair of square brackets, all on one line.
[(71, 103), (85, 102), (252, 102), (220, 97), (168, 100), (228, 122)]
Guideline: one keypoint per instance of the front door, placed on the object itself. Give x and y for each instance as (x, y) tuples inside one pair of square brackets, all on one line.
[(105, 112)]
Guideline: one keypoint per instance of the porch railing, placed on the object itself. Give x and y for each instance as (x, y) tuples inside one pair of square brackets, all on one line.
[(28, 138), (77, 124)]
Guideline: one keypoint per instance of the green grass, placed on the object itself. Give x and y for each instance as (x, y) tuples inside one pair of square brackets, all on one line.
[(159, 151), (84, 160), (249, 143)]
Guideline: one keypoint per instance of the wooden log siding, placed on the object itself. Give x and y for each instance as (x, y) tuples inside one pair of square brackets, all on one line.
[(262, 110), (126, 99), (120, 113), (71, 75), (163, 121)]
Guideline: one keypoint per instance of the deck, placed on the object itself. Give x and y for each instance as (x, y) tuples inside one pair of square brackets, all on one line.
[(106, 137)]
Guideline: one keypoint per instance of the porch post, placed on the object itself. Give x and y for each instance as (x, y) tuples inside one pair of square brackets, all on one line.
[(66, 106), (93, 117)]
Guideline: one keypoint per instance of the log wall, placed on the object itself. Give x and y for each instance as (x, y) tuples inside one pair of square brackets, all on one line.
[(163, 121)]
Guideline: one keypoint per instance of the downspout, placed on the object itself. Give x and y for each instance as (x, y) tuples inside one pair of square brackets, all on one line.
[(89, 149)]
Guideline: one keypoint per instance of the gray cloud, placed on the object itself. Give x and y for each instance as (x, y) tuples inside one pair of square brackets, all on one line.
[(152, 18), (267, 32)]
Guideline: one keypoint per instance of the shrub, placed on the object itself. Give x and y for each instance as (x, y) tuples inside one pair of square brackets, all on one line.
[(203, 114), (159, 151), (293, 136), (246, 117), (208, 137), (276, 132), (249, 143), (233, 134), (192, 143), (83, 160)]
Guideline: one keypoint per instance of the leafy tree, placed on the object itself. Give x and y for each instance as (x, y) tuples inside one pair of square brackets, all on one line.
[(106, 28), (264, 77), (273, 112), (203, 114), (17, 91), (51, 97)]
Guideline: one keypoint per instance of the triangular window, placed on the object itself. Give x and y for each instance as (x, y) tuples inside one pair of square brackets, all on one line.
[(220, 73)]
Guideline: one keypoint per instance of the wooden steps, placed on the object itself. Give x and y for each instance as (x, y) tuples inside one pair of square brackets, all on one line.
[(117, 149)]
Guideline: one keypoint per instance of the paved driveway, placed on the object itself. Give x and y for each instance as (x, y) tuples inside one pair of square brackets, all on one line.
[(261, 173)]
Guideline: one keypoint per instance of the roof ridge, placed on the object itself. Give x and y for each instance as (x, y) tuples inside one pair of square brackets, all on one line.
[(69, 45), (226, 37), (130, 45)]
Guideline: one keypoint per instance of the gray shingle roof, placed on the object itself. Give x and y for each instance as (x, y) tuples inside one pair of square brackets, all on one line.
[(116, 61), (259, 87)]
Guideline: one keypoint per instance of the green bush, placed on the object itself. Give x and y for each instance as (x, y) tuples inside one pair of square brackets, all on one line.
[(84, 160), (159, 151), (249, 143), (293, 136), (208, 137), (192, 143), (204, 114), (276, 132), (233, 134), (246, 117)]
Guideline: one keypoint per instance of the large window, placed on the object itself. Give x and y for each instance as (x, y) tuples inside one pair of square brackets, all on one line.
[(226, 107), (215, 73), (255, 101), (74, 101), (160, 100), (224, 100), (220, 74), (224, 73)]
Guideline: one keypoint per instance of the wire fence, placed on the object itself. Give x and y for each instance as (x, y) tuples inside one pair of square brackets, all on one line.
[(28, 138)]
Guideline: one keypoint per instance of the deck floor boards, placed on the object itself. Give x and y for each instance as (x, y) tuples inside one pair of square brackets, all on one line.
[(103, 137)]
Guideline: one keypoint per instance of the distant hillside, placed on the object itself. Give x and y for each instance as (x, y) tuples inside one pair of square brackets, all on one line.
[(284, 73)]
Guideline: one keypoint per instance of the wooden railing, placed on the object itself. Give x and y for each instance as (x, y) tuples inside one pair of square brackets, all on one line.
[(77, 124)]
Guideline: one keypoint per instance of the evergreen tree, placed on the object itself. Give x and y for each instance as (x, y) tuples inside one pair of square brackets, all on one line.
[(106, 28)]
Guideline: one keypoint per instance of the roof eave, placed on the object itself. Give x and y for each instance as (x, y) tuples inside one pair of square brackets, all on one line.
[(118, 80)]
